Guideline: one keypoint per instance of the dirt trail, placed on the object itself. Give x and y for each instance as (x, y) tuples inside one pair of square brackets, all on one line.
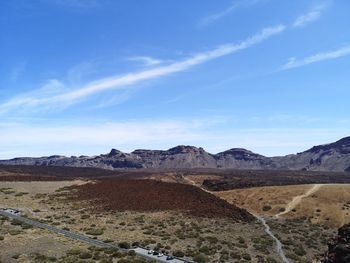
[(297, 199), (278, 243), (191, 182)]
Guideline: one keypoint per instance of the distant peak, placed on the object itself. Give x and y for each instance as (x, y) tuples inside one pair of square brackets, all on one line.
[(344, 141), (235, 151), (114, 152), (239, 150), (185, 149), (56, 156), (240, 154), (342, 146)]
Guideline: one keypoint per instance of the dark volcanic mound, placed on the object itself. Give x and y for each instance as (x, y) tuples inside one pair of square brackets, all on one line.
[(149, 195), (339, 247)]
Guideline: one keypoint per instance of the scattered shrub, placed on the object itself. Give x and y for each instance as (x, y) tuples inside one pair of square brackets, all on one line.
[(14, 232), (135, 244), (94, 232), (85, 255), (16, 222), (179, 253), (266, 208), (200, 258), (124, 245)]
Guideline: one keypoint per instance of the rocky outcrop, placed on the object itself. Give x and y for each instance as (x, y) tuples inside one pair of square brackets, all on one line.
[(329, 157), (244, 159), (339, 247)]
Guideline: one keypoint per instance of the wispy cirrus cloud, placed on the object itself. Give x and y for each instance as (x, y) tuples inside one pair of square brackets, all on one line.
[(69, 96), (219, 15), (146, 60), (328, 55), (312, 16)]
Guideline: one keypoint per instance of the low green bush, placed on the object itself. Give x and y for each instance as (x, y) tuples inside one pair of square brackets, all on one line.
[(266, 208), (179, 253), (85, 255), (94, 232), (200, 258), (124, 245)]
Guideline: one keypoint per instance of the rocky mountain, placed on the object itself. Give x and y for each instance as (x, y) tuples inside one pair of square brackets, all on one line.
[(329, 157), (243, 159)]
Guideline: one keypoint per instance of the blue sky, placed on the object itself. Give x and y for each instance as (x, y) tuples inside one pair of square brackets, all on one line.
[(83, 76)]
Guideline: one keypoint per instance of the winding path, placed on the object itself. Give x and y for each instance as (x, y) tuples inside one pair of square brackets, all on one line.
[(297, 199), (290, 206), (278, 244)]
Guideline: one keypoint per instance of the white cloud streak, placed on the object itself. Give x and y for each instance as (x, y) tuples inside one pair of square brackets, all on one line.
[(328, 55), (309, 17), (219, 15), (121, 82), (146, 60)]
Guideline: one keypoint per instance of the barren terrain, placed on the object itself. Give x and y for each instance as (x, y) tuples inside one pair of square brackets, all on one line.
[(327, 204), (170, 213), (215, 239)]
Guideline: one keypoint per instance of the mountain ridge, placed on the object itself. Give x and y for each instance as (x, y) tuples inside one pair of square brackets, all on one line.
[(327, 157)]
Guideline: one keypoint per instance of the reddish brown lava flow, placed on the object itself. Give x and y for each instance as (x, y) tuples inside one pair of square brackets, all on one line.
[(30, 178), (149, 195)]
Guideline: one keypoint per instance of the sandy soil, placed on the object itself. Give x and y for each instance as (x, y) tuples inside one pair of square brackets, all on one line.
[(298, 199), (40, 187), (23, 195), (327, 204), (25, 192)]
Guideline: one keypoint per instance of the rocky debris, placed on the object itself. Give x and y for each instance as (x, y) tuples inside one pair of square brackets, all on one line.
[(329, 157), (339, 247)]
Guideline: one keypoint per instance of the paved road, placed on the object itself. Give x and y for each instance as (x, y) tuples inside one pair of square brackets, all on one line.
[(144, 252), (139, 251), (68, 234)]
